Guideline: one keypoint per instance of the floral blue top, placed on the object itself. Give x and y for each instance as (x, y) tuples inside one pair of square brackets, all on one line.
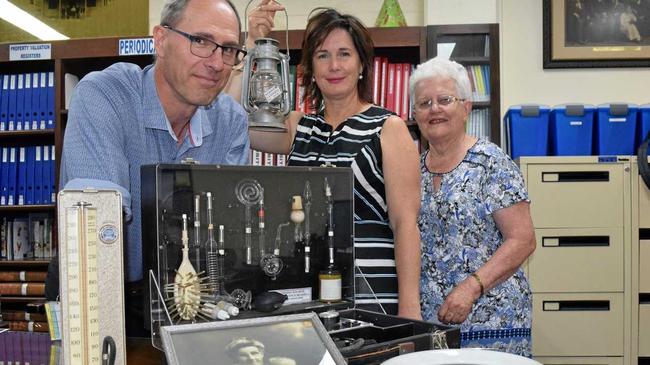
[(459, 235)]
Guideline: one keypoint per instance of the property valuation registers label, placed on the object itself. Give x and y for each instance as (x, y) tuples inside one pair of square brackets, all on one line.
[(24, 52)]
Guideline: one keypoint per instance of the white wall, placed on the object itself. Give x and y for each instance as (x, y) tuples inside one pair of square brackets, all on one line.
[(297, 11), (523, 80), (460, 11)]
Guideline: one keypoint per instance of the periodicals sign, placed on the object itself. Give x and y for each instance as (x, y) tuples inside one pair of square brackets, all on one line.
[(25, 52), (136, 46)]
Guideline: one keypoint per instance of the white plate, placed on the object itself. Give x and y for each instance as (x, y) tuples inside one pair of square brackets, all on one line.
[(460, 356)]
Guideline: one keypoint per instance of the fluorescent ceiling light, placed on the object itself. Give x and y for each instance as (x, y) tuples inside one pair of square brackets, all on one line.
[(28, 22)]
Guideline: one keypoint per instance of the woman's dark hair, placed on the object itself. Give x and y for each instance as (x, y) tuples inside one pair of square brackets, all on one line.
[(320, 25)]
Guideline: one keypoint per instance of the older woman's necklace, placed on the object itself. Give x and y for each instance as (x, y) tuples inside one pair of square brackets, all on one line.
[(456, 161), (435, 173)]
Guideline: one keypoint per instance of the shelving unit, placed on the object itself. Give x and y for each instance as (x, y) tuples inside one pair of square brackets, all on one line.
[(474, 45), (22, 303), (79, 57)]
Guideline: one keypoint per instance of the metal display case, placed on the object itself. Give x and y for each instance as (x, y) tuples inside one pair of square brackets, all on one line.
[(267, 230)]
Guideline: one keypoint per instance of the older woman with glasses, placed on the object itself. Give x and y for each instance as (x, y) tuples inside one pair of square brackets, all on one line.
[(474, 220)]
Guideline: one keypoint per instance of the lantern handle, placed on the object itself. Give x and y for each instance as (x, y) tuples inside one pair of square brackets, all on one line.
[(286, 16)]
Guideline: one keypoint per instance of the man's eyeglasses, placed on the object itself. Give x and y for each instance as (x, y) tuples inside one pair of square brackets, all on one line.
[(204, 48), (442, 101)]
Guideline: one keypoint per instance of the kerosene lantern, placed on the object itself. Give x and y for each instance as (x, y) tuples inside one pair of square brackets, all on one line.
[(265, 86)]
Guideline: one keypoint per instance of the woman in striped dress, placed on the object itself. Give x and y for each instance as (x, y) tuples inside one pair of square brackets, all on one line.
[(349, 131)]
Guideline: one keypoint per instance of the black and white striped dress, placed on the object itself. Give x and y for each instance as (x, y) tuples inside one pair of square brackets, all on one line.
[(356, 143)]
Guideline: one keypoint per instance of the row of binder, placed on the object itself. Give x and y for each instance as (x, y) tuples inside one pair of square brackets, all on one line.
[(27, 175), (27, 101)]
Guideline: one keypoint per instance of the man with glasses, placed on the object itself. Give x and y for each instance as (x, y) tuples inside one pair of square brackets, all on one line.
[(124, 116)]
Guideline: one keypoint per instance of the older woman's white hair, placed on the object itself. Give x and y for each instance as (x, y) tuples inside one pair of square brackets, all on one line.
[(441, 67)]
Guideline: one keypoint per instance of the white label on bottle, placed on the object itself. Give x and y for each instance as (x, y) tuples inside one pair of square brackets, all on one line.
[(23, 289), (576, 123), (249, 230), (330, 233), (330, 289), (307, 249), (222, 252)]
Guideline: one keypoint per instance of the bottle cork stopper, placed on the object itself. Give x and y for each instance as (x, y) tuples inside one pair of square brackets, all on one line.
[(296, 202)]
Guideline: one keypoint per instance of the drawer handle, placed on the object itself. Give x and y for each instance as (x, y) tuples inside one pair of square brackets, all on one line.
[(575, 176), (575, 305), (644, 234), (644, 298), (576, 241)]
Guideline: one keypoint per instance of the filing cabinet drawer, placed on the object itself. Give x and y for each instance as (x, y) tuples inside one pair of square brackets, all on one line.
[(579, 360), (644, 266), (578, 324), (644, 205), (576, 195), (577, 260), (644, 330)]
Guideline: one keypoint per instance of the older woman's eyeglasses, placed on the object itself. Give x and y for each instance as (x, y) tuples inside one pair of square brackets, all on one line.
[(442, 101), (204, 48)]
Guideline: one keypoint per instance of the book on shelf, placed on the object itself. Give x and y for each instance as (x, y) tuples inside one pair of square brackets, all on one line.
[(70, 81), (29, 326), (20, 239), (16, 315), (32, 289), (22, 276)]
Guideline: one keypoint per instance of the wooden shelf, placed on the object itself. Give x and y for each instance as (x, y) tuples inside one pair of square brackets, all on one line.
[(24, 138), (472, 60), (10, 299), (24, 263), (27, 208), (481, 104), (382, 37)]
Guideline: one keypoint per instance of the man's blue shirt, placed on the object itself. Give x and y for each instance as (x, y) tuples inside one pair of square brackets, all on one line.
[(116, 124)]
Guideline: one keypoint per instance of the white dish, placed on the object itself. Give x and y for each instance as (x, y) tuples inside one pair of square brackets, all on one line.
[(460, 356)]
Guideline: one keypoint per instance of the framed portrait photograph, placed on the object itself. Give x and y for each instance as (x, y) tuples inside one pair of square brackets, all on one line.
[(596, 33), (297, 339)]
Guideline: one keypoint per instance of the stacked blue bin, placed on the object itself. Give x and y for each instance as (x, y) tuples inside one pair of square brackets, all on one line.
[(644, 124), (527, 130), (571, 132), (616, 129)]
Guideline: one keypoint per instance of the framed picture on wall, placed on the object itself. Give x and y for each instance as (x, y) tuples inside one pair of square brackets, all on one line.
[(298, 339), (596, 33)]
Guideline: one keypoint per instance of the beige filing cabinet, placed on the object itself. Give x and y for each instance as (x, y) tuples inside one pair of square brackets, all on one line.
[(579, 271), (640, 265)]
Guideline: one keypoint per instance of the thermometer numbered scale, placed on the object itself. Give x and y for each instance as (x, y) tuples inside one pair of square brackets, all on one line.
[(91, 272)]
